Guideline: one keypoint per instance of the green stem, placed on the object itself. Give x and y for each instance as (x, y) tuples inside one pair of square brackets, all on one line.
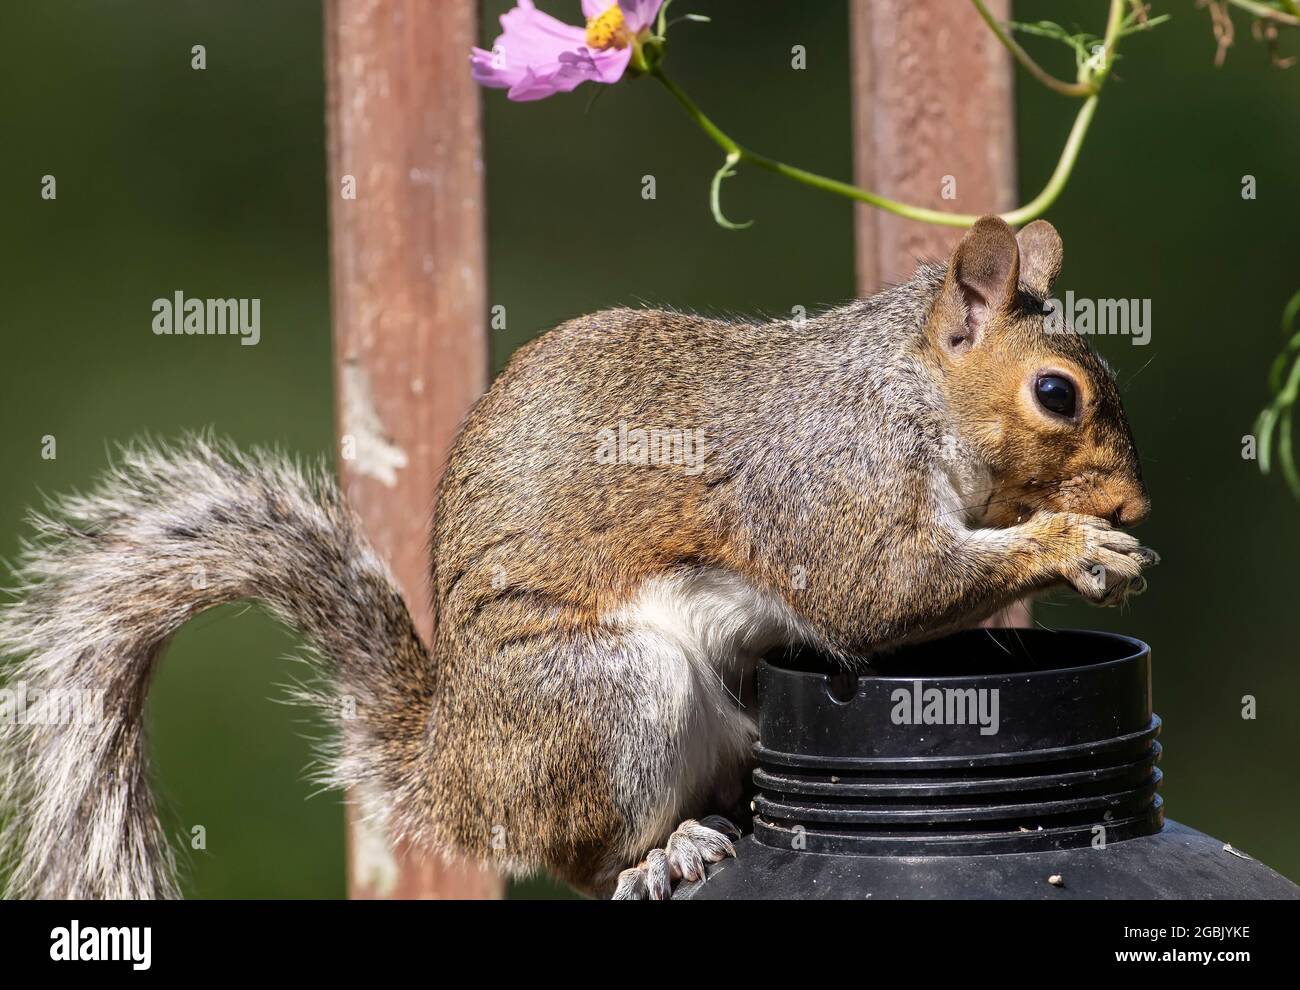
[(1032, 67), (1278, 413), (1114, 24), (1036, 207)]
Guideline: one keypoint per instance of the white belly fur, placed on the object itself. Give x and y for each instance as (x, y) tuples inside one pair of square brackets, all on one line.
[(701, 633)]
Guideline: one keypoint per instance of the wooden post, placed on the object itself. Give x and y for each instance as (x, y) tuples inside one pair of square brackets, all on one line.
[(409, 299), (932, 99), (933, 110)]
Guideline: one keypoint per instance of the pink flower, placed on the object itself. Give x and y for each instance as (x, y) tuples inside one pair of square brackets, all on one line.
[(537, 56)]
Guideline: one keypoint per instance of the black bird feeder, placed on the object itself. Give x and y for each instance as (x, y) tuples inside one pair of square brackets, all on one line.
[(1036, 777)]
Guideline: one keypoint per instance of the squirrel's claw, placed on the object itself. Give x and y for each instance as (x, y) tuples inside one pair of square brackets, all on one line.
[(723, 825), (631, 885), (1103, 564), (693, 845)]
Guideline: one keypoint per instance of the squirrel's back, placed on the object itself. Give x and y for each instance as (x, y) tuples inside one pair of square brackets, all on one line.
[(623, 444)]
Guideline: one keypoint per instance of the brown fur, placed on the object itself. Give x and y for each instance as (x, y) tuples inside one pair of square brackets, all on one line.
[(872, 476)]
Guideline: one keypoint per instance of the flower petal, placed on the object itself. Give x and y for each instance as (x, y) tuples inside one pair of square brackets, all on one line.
[(529, 39), (570, 71), (537, 56), (491, 69), (535, 26), (638, 14), (611, 63)]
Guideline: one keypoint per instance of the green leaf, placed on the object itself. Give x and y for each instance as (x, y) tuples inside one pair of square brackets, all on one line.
[(1080, 41), (1264, 438), (1290, 313), (1286, 455), (1278, 414)]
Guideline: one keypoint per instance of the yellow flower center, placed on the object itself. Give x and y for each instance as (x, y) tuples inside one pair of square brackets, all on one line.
[(608, 30)]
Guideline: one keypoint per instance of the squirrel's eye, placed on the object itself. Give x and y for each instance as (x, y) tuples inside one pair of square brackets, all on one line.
[(1056, 394)]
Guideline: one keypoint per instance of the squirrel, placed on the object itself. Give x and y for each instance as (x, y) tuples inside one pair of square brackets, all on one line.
[(642, 505)]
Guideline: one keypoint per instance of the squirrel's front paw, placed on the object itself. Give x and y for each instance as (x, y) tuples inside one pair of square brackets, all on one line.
[(1101, 563), (694, 844)]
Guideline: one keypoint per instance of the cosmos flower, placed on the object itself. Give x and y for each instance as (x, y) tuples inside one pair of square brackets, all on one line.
[(537, 56)]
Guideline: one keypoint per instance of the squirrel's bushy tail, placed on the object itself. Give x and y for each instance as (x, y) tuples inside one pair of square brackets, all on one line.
[(109, 577)]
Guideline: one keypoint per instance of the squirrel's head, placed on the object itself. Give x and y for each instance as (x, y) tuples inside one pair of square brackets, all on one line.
[(1027, 394)]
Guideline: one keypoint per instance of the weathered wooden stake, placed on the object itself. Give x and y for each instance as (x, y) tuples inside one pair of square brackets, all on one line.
[(409, 299), (934, 112)]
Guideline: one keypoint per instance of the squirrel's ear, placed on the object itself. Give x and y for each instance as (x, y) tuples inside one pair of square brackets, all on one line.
[(982, 280), (1040, 257)]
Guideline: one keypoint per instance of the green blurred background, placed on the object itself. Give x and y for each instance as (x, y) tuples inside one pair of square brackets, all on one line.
[(213, 182)]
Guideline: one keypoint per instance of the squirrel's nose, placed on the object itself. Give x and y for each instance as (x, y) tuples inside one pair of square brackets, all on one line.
[(1131, 511)]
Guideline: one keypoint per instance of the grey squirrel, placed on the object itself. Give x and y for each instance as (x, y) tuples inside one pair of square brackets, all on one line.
[(642, 504)]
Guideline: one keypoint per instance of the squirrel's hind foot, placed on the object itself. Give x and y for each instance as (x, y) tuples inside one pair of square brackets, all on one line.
[(689, 848)]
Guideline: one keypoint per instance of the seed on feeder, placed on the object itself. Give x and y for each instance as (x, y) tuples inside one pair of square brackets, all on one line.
[(1056, 880)]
